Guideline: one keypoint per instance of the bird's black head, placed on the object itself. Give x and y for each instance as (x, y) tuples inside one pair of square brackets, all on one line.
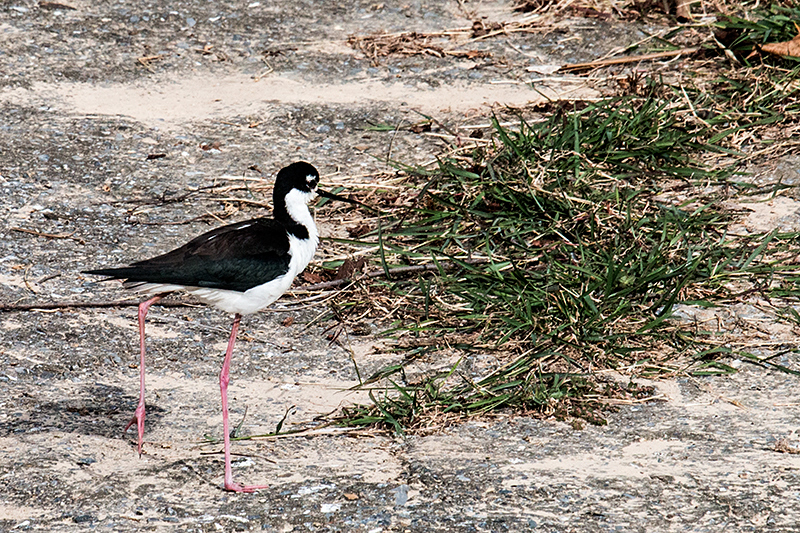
[(300, 175), (295, 188), (297, 184)]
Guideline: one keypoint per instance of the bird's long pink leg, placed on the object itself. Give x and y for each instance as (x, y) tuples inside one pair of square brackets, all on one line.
[(138, 415), (224, 379)]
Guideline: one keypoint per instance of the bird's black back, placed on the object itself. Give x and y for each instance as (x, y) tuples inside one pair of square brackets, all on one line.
[(236, 257)]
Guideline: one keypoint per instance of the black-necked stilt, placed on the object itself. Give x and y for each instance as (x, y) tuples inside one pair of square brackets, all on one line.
[(240, 268)]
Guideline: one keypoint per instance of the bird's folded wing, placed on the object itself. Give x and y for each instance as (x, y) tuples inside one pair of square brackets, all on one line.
[(234, 257)]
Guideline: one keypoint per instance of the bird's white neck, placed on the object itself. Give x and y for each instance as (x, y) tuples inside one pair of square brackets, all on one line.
[(297, 208)]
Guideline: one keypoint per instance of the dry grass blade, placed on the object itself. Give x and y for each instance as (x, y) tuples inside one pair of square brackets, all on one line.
[(438, 44), (408, 44)]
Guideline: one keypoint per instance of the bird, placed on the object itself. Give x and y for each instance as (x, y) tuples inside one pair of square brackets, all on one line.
[(240, 268)]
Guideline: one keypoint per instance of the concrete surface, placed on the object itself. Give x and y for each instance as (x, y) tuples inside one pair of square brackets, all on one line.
[(89, 91)]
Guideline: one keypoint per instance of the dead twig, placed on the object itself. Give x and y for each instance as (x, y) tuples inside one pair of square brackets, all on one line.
[(782, 446), (409, 44), (86, 305), (56, 5), (628, 59), (49, 235), (396, 271), (145, 61)]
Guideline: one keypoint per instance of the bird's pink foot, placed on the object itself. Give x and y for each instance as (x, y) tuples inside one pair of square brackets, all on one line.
[(138, 417), (235, 487)]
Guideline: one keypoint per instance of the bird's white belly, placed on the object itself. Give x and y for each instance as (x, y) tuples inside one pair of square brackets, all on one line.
[(244, 303)]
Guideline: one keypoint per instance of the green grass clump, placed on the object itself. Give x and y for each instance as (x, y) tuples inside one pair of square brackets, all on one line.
[(567, 244)]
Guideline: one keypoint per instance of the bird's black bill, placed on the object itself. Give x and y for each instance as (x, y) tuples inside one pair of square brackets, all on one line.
[(331, 196), (326, 194)]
